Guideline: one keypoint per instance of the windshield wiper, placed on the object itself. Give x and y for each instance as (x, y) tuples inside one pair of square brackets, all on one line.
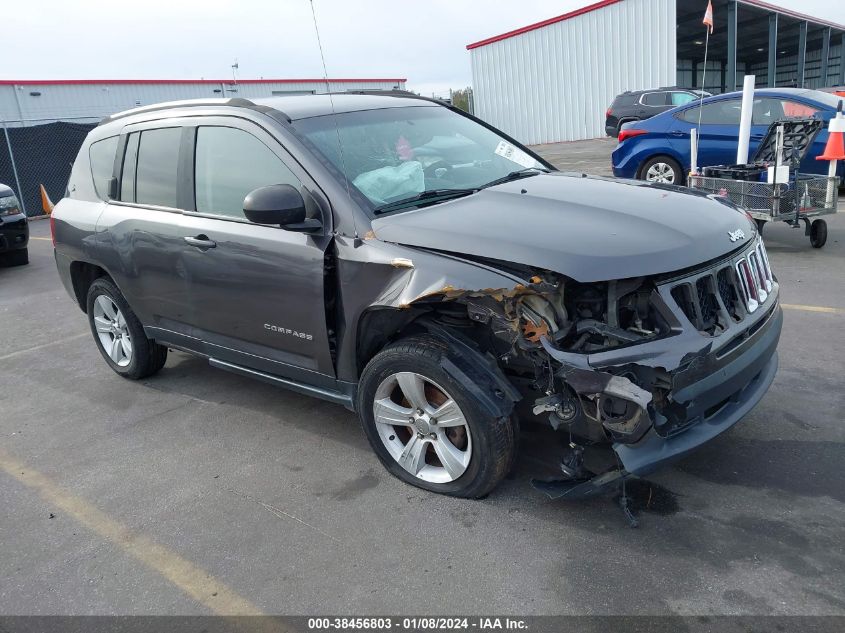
[(431, 195), (516, 175)]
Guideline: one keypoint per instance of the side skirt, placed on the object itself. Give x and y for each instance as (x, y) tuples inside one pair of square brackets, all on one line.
[(338, 397)]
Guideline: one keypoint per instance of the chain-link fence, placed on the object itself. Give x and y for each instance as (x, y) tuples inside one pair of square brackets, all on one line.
[(32, 155)]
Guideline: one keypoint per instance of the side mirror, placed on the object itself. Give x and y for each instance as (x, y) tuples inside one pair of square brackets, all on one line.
[(279, 204)]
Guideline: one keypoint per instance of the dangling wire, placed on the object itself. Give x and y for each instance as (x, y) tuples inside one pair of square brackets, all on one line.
[(334, 113)]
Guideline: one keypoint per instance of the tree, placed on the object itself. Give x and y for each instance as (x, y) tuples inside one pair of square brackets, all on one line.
[(462, 98)]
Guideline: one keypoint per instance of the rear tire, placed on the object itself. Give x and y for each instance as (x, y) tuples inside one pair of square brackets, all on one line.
[(119, 334), (478, 449), (662, 169)]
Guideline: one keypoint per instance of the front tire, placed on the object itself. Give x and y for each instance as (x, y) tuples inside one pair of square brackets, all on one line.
[(119, 334), (662, 169), (19, 257), (426, 427)]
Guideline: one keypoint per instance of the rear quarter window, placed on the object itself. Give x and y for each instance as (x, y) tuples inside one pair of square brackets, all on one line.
[(101, 156)]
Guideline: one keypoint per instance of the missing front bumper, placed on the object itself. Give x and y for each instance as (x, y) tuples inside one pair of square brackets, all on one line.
[(736, 382)]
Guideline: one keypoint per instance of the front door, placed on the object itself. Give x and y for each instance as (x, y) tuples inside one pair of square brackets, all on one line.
[(256, 291), (717, 139)]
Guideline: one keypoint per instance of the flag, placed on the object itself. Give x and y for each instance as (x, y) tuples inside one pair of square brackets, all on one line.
[(708, 16)]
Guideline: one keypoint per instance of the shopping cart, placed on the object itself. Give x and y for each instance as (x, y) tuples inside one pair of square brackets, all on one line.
[(800, 200)]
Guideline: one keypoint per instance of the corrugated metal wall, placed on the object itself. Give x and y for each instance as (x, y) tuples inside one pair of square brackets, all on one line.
[(35, 104), (787, 69), (555, 83)]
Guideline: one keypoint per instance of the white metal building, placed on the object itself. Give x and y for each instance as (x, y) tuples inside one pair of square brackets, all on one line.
[(553, 81), (36, 102)]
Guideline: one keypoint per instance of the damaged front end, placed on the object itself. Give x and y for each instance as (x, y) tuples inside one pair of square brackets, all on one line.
[(651, 367)]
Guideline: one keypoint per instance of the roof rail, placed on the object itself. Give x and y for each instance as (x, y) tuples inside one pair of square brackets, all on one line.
[(235, 102), (405, 94)]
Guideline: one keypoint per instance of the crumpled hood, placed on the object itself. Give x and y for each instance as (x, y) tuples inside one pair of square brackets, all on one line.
[(588, 228)]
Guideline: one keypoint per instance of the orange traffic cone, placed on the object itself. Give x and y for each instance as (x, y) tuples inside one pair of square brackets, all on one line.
[(46, 204), (835, 148), (834, 151)]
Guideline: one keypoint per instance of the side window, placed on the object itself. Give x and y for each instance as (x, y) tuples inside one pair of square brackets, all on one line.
[(101, 154), (130, 160), (766, 111), (158, 159), (714, 113), (229, 164), (654, 99), (682, 98)]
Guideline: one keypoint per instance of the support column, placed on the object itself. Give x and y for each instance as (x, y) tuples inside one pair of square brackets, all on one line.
[(731, 69), (841, 80), (802, 54), (825, 55), (773, 50)]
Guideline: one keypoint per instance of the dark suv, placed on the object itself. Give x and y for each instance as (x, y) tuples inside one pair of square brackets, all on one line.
[(14, 229), (643, 104), (402, 258)]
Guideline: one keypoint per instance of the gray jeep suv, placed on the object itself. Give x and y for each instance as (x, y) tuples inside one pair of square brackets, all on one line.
[(397, 256)]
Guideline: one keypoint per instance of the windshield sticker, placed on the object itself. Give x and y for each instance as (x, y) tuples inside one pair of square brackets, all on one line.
[(514, 154)]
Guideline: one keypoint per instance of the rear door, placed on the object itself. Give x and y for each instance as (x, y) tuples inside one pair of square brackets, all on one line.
[(142, 227), (256, 291)]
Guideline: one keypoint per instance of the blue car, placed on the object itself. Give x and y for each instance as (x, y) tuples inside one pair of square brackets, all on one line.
[(658, 149)]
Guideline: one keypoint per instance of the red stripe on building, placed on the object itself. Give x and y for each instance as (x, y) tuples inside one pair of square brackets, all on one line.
[(604, 3), (539, 25)]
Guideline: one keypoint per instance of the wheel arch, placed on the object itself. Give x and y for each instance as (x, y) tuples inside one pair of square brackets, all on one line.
[(82, 275), (467, 364)]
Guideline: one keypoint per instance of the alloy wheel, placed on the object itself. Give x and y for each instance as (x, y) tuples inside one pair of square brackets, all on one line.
[(660, 172), (422, 427), (112, 330)]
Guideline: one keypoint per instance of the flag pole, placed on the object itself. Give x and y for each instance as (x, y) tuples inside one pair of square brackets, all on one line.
[(703, 84)]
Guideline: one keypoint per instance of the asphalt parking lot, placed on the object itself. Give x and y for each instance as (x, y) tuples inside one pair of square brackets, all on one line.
[(198, 491)]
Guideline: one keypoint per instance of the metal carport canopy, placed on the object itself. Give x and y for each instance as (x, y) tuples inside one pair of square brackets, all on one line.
[(777, 44)]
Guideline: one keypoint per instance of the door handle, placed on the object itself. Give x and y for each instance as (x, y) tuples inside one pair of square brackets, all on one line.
[(201, 241), (678, 134)]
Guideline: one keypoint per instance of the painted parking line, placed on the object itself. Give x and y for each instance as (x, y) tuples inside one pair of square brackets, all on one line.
[(194, 581), (796, 306), (46, 239), (35, 348)]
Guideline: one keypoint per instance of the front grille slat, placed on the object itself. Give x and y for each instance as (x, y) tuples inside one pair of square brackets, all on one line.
[(712, 300)]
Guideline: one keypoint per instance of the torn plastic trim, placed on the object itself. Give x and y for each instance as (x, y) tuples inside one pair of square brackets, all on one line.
[(580, 488), (477, 373), (753, 368), (653, 451)]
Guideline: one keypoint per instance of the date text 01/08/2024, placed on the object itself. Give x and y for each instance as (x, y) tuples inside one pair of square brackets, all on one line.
[(418, 623)]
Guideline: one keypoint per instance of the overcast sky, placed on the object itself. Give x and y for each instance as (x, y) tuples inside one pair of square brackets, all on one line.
[(424, 41)]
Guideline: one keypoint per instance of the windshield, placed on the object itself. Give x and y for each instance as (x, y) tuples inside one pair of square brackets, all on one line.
[(413, 154)]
